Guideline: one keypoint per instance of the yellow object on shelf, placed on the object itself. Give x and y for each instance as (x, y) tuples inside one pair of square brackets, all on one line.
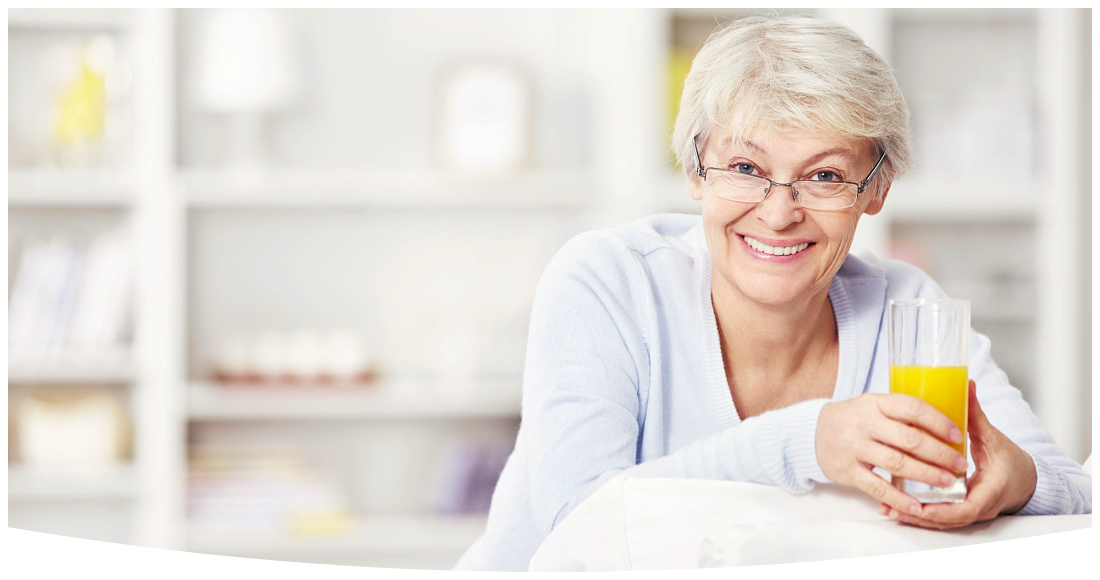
[(321, 523), (679, 64), (82, 109)]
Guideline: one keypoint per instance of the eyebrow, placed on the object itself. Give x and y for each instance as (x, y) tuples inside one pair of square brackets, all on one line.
[(844, 152)]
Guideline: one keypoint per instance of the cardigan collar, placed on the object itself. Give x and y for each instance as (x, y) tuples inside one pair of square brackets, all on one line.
[(857, 293)]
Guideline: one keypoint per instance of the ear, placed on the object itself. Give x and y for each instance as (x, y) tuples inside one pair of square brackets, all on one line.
[(695, 185), (876, 204)]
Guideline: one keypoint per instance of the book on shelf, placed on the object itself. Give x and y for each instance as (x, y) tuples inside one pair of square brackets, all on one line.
[(45, 268), (103, 303), (69, 296)]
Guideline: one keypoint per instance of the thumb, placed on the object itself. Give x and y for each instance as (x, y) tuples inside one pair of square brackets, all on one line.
[(979, 424)]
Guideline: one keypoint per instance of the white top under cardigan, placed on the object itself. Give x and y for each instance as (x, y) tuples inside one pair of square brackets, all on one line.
[(624, 373)]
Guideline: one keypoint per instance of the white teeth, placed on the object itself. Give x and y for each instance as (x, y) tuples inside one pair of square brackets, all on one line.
[(776, 251)]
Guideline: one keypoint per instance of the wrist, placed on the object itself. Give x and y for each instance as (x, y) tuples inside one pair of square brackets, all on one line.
[(1028, 478)]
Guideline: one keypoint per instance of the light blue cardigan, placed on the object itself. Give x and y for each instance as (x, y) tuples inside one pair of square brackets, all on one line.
[(624, 373)]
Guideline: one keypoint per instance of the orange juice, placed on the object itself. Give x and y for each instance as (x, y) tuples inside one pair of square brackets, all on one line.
[(945, 388)]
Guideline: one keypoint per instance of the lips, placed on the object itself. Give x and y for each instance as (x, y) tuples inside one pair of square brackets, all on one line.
[(777, 248)]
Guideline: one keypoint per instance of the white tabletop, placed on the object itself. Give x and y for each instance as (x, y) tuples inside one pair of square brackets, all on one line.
[(663, 524)]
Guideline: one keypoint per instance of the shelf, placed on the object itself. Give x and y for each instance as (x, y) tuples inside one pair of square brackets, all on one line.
[(671, 194), (916, 199), (395, 190), (76, 19), (70, 369), (1014, 316), (981, 16), (395, 400), (27, 483), (381, 534), (46, 188)]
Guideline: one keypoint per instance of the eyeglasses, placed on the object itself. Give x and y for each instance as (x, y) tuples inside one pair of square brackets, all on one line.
[(810, 194)]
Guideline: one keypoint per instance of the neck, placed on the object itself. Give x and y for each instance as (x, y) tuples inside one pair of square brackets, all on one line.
[(774, 340)]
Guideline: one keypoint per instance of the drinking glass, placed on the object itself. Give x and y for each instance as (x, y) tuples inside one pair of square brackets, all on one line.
[(929, 350)]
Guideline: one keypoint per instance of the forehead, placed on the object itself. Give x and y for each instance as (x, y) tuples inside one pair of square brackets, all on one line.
[(792, 143)]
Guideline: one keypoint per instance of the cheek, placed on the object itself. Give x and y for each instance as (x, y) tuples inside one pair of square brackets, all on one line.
[(718, 217), (843, 228)]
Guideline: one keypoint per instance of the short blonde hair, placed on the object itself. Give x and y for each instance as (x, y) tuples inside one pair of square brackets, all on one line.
[(791, 72)]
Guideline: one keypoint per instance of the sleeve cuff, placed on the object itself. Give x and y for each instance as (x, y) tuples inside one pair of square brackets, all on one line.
[(786, 441), (1050, 496)]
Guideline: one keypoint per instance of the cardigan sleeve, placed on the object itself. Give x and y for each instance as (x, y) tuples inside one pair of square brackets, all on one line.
[(1062, 486), (585, 374)]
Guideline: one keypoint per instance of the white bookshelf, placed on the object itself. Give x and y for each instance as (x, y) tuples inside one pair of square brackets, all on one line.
[(428, 542), (72, 19), (408, 535), (547, 190), (1037, 203), (916, 198), (27, 483), (74, 369), (388, 400), (38, 188), (133, 196)]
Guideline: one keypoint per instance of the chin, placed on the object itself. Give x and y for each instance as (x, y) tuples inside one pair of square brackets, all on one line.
[(774, 292), (773, 298)]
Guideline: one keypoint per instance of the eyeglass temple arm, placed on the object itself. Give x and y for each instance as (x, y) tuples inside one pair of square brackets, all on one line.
[(863, 184), (698, 162)]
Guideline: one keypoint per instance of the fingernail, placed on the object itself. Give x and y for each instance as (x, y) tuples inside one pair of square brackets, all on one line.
[(893, 514), (960, 464), (956, 435), (946, 479), (914, 509)]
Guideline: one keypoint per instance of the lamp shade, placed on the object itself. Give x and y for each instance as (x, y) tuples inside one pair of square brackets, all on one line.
[(245, 61)]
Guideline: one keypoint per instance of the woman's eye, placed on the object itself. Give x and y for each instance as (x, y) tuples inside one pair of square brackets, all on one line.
[(826, 176), (744, 168)]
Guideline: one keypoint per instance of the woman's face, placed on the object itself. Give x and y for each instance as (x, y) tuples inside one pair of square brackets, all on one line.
[(730, 226)]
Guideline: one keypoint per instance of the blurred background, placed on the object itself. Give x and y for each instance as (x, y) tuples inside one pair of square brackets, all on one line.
[(270, 272)]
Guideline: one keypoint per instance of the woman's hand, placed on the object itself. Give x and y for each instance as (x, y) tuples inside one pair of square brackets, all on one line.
[(1003, 481), (901, 434)]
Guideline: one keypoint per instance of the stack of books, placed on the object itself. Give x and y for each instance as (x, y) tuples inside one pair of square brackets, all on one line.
[(70, 298), (269, 489)]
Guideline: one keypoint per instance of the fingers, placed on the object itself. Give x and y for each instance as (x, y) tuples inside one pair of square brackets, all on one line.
[(920, 445), (882, 491), (915, 521), (938, 515), (916, 412), (953, 515), (924, 522), (905, 466)]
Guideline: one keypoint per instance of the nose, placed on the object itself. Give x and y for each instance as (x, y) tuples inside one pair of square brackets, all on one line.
[(779, 210)]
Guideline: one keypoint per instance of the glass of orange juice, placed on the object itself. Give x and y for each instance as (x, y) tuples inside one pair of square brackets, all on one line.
[(929, 352)]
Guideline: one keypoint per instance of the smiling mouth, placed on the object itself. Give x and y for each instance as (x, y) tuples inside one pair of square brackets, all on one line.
[(776, 250)]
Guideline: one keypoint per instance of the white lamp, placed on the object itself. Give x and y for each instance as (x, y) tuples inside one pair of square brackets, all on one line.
[(246, 66)]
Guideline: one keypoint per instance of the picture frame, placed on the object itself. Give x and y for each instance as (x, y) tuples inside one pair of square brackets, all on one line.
[(483, 119)]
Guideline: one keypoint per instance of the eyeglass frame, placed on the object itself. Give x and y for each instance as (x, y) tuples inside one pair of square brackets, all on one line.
[(860, 187)]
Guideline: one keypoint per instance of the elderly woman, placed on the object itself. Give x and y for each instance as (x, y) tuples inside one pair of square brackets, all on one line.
[(748, 345)]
